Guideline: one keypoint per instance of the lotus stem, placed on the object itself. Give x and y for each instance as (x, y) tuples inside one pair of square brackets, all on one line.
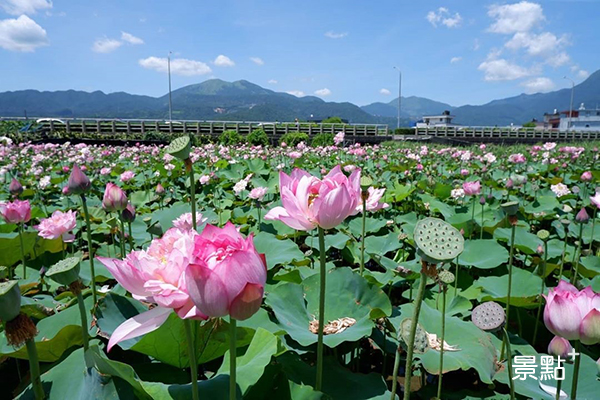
[(34, 368), (473, 214), (232, 354), (413, 331), (395, 373), (576, 370), (562, 262), (577, 255), (558, 386), (22, 251), (456, 277), (192, 192), (539, 310), (439, 388), (593, 226), (130, 236), (192, 356), (509, 363), (481, 230), (362, 238), (83, 314), (90, 248), (122, 232), (510, 268), (322, 272)]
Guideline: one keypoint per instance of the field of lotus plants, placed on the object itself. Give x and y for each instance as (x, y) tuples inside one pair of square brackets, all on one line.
[(295, 272)]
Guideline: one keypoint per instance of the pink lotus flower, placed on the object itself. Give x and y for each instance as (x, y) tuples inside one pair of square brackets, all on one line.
[(309, 202), (258, 193), (472, 188), (58, 225), (595, 199), (127, 176), (339, 138), (573, 314), (559, 347), (156, 275), (204, 179), (160, 189), (372, 202), (228, 276), (16, 212), (15, 188), (586, 176), (78, 183), (114, 198), (184, 221)]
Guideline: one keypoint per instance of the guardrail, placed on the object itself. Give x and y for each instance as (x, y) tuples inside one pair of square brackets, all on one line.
[(501, 133)]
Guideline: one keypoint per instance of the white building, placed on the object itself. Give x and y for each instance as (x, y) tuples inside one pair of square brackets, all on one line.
[(581, 120), (431, 121)]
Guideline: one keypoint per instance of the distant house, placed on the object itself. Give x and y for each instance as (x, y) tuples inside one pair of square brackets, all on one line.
[(580, 120), (552, 121), (430, 121)]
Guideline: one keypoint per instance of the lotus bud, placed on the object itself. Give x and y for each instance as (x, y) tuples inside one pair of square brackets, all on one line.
[(582, 216), (128, 214), (78, 183), (559, 347), (482, 200), (160, 189), (15, 188), (114, 198), (539, 249), (586, 176)]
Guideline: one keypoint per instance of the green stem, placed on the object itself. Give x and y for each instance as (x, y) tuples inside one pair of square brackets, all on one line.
[(130, 236), (232, 354), (322, 275), (62, 247), (558, 387), (510, 265), (22, 250), (84, 324), (577, 255), (192, 356), (456, 277), (481, 230), (509, 364), (122, 231), (439, 389), (193, 195), (90, 248), (593, 226), (34, 368), (362, 238), (473, 215), (395, 373), (413, 331), (576, 370), (563, 256), (539, 310)]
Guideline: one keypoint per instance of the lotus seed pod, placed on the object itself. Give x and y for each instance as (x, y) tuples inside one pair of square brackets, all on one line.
[(543, 234), (510, 208), (156, 229), (365, 182), (488, 316), (180, 147), (446, 276), (4, 272), (10, 300), (65, 271), (421, 344), (438, 240)]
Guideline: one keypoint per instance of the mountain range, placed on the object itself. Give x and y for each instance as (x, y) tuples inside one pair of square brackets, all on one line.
[(215, 99)]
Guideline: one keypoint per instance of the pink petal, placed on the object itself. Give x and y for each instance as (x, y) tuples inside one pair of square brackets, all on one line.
[(589, 330), (207, 291), (240, 268), (332, 209), (564, 318), (247, 302), (139, 325), (126, 275), (190, 311)]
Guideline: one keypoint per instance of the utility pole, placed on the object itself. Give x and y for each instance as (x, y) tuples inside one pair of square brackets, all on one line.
[(571, 106), (399, 93), (170, 103)]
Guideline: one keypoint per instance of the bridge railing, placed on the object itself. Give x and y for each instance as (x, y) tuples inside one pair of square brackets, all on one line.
[(486, 132)]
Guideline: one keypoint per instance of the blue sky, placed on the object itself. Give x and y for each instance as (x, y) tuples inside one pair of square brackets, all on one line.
[(459, 52)]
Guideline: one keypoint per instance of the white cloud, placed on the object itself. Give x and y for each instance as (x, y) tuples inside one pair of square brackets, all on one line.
[(385, 92), (106, 45), (517, 17), (443, 16), (19, 7), (582, 74), (546, 45), (179, 66), (323, 92), (336, 35), (223, 61), (539, 85), (502, 70), (21, 34), (129, 38), (257, 60), (297, 93), (454, 60), (272, 82)]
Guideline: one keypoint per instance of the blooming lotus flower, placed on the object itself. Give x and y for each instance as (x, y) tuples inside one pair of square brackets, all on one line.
[(58, 225), (16, 212), (127, 176), (595, 199), (472, 188), (184, 221), (114, 198), (339, 138), (573, 314), (372, 202), (78, 182), (560, 189), (258, 193), (228, 276), (309, 202), (204, 179), (156, 275)]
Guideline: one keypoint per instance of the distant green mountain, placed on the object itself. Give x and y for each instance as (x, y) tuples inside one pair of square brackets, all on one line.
[(213, 99), (412, 107)]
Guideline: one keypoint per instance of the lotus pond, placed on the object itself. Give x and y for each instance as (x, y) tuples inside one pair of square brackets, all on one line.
[(340, 272)]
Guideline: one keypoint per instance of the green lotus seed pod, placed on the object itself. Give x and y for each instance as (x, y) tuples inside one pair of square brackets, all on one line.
[(446, 276), (65, 271), (510, 207), (156, 229), (438, 240), (4, 271), (365, 182), (180, 147), (543, 234), (488, 316), (10, 300), (421, 343)]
